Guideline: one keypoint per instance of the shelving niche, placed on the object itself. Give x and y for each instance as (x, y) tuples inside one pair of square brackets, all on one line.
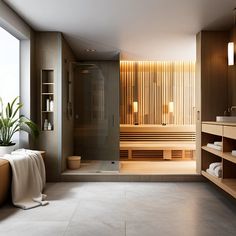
[(225, 132), (47, 93)]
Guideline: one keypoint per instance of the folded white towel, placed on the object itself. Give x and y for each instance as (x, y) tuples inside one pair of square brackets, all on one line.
[(234, 152), (28, 178), (210, 172), (218, 143), (213, 165), (211, 145), (218, 171)]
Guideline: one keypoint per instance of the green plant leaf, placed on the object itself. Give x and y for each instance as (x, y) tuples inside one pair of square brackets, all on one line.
[(9, 126)]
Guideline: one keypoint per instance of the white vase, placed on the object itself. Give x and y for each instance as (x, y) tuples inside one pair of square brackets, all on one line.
[(7, 149)]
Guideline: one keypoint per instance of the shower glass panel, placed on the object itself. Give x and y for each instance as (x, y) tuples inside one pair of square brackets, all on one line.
[(96, 128)]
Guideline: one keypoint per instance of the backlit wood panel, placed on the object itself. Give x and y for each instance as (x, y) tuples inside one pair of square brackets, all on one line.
[(153, 85)]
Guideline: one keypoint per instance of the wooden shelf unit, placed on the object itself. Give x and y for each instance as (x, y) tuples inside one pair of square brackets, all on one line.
[(225, 132), (47, 92)]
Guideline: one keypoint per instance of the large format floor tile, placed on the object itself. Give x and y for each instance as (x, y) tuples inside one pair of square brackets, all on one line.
[(125, 209)]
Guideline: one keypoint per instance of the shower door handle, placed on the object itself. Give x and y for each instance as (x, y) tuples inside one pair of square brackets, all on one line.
[(198, 115), (113, 120)]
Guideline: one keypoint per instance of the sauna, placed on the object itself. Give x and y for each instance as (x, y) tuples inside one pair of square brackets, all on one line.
[(157, 117)]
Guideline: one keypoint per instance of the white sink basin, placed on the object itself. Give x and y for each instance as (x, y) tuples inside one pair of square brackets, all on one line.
[(227, 119)]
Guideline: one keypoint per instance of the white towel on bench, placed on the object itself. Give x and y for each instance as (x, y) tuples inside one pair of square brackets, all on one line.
[(28, 178)]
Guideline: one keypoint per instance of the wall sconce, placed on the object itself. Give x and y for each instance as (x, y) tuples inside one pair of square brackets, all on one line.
[(135, 106), (231, 45), (171, 107), (230, 53), (135, 109), (171, 110)]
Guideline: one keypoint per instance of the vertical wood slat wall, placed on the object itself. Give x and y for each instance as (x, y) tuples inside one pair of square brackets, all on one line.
[(154, 84)]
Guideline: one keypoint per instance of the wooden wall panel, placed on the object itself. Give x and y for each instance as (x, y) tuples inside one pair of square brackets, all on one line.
[(154, 85), (232, 75)]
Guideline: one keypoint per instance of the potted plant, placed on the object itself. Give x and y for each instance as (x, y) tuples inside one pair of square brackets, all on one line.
[(11, 123)]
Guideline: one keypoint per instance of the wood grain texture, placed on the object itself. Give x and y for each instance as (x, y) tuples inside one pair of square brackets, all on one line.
[(232, 74), (211, 80), (213, 74), (153, 85)]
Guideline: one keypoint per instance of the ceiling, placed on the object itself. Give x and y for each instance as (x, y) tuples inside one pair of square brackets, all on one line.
[(138, 29)]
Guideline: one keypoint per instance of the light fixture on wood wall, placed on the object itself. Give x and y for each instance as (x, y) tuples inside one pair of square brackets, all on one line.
[(135, 110), (171, 110), (231, 46), (171, 106), (231, 53)]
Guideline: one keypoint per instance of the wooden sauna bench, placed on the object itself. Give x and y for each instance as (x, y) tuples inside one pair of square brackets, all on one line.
[(150, 142)]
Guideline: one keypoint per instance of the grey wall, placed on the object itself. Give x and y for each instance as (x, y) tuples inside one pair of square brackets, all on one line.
[(67, 121), (14, 24), (48, 56)]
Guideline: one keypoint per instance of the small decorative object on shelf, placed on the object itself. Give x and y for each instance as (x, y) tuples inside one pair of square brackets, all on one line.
[(45, 126), (51, 105), (47, 104), (49, 126)]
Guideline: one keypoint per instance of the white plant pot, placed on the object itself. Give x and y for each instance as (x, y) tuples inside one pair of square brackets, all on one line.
[(7, 149)]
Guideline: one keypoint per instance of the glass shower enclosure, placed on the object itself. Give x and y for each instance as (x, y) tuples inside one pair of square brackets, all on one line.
[(96, 115)]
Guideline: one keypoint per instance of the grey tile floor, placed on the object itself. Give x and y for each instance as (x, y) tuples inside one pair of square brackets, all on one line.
[(125, 209)]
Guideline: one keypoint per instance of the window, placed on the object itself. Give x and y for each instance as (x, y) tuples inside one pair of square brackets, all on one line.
[(9, 68)]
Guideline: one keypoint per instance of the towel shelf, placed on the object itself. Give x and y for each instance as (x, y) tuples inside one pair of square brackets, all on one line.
[(225, 133)]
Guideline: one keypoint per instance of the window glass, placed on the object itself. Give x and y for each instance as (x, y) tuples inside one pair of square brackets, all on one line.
[(9, 68)]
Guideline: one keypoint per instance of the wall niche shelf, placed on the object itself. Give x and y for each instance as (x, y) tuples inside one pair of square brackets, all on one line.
[(47, 99), (225, 133)]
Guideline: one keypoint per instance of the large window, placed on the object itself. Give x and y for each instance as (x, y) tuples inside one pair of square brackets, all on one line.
[(9, 67)]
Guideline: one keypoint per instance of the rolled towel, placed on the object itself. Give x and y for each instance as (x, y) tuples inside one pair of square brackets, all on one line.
[(218, 171), (234, 152), (211, 172), (213, 165), (216, 147), (218, 143)]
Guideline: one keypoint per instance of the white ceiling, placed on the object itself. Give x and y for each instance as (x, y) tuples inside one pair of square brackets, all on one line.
[(139, 29)]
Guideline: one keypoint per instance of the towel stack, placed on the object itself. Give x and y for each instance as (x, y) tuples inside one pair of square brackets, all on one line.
[(233, 152), (215, 169), (215, 145)]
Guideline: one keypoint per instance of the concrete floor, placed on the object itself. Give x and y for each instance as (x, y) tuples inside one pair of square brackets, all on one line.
[(125, 209)]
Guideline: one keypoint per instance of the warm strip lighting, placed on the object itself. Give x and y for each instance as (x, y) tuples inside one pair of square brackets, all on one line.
[(135, 106), (171, 106), (230, 53)]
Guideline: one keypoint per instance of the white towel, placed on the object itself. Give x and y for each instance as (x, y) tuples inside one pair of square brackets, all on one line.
[(217, 143), (218, 171), (28, 178), (210, 172), (216, 147), (213, 165)]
